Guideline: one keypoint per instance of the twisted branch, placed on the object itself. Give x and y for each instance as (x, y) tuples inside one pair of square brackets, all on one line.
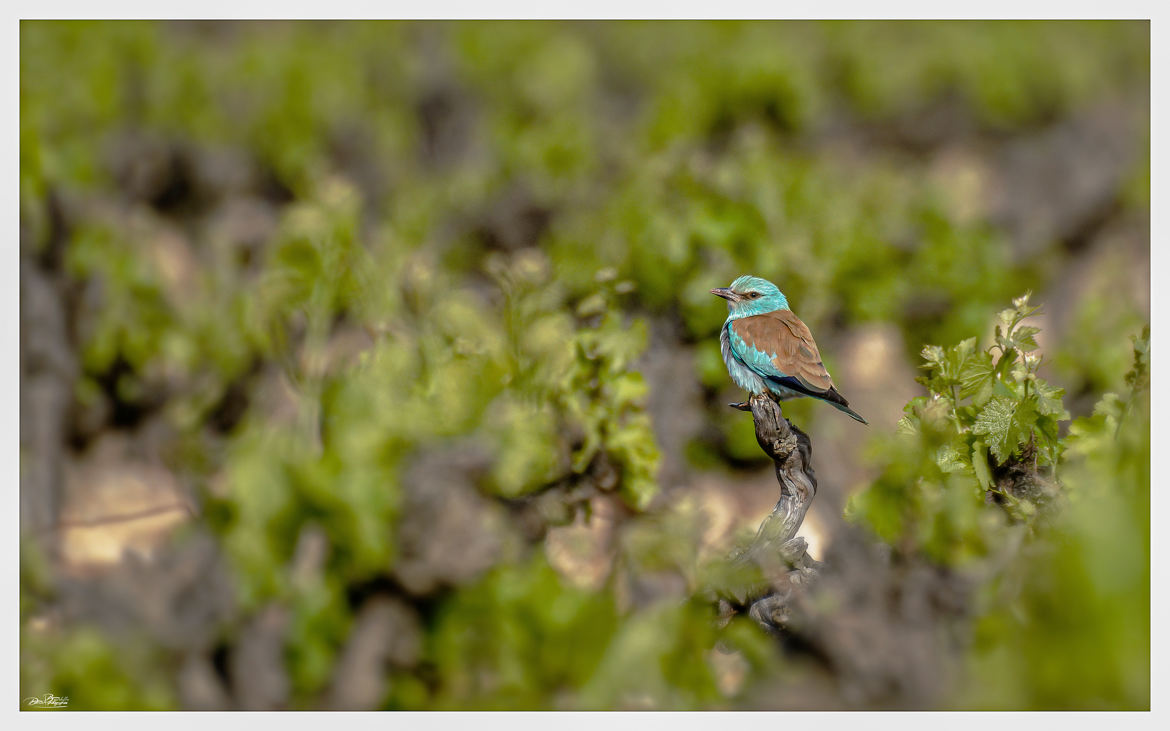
[(778, 552)]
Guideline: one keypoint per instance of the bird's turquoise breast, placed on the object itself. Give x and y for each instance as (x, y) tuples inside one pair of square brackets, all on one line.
[(743, 375)]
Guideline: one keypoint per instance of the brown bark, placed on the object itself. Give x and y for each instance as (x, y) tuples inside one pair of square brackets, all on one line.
[(777, 551)]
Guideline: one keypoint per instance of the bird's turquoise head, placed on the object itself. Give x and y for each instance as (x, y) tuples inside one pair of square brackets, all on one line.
[(750, 295)]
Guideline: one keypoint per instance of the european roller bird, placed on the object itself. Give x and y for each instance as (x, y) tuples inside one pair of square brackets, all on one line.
[(768, 350)]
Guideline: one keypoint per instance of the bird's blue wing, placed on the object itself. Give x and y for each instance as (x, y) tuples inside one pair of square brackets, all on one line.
[(775, 342), (779, 347), (759, 362)]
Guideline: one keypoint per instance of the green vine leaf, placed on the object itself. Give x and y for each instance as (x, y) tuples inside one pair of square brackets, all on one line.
[(977, 378), (1006, 424), (979, 462)]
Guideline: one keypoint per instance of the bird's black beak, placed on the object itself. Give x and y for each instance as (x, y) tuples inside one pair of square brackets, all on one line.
[(726, 294)]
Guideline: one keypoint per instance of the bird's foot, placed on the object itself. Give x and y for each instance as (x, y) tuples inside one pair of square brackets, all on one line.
[(742, 406)]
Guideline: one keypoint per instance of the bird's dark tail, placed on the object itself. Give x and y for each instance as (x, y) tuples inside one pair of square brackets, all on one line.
[(832, 396), (851, 412)]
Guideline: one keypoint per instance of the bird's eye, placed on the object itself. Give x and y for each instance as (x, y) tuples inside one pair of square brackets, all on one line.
[(753, 295)]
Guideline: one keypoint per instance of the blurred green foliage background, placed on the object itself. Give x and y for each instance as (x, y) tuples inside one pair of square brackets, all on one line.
[(414, 317)]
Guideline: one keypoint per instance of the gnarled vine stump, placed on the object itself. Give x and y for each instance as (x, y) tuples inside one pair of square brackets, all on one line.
[(781, 556)]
